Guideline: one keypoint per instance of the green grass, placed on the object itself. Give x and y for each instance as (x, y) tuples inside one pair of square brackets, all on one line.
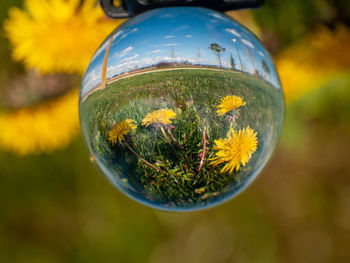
[(193, 95)]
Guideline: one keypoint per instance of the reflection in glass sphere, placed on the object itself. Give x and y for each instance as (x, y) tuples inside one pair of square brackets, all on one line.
[(181, 108)]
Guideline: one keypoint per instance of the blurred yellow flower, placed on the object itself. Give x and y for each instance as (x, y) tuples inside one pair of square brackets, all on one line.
[(42, 128), (119, 130), (235, 150), (57, 35), (312, 61), (229, 103), (162, 116)]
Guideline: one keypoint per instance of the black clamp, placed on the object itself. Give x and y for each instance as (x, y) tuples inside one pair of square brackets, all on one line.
[(129, 8)]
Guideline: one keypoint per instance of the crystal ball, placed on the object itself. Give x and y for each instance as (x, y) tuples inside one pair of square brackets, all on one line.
[(181, 108)]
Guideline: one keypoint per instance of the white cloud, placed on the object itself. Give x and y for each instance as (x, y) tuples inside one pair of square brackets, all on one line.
[(125, 51), (118, 33), (156, 51), (91, 79), (129, 58), (180, 28), (169, 37), (166, 45), (261, 54), (233, 32), (218, 16), (188, 36), (247, 43), (170, 45), (103, 47), (128, 33)]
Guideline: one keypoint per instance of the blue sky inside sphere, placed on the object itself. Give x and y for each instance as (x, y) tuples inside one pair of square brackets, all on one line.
[(181, 36)]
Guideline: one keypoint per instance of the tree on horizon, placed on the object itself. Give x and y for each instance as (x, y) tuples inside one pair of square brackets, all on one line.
[(232, 62), (218, 50), (265, 67)]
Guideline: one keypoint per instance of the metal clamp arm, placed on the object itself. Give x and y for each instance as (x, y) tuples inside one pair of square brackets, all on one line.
[(131, 8)]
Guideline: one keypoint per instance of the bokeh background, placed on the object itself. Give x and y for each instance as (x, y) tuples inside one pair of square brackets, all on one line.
[(55, 207)]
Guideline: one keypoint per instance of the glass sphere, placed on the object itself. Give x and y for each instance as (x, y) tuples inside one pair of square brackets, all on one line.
[(181, 108)]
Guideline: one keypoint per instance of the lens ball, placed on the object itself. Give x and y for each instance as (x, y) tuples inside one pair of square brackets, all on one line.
[(181, 108)]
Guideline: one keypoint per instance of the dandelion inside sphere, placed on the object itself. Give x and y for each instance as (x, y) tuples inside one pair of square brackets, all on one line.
[(176, 125), (235, 150), (119, 130), (229, 103), (162, 116)]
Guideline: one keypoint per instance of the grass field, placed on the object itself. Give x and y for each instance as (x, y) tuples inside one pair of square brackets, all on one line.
[(179, 174)]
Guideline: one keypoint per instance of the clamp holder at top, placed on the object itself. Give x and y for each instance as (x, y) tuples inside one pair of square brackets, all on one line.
[(130, 8)]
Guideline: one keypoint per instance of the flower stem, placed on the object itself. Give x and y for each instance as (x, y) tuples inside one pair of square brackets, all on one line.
[(172, 146), (204, 149), (172, 137), (167, 138), (180, 146), (143, 160)]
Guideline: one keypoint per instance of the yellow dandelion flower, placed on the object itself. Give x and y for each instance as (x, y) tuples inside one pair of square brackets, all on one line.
[(229, 103), (57, 35), (162, 116), (235, 150), (42, 128), (119, 130)]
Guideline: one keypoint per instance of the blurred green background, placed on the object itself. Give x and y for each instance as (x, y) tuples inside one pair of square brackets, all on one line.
[(55, 207)]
